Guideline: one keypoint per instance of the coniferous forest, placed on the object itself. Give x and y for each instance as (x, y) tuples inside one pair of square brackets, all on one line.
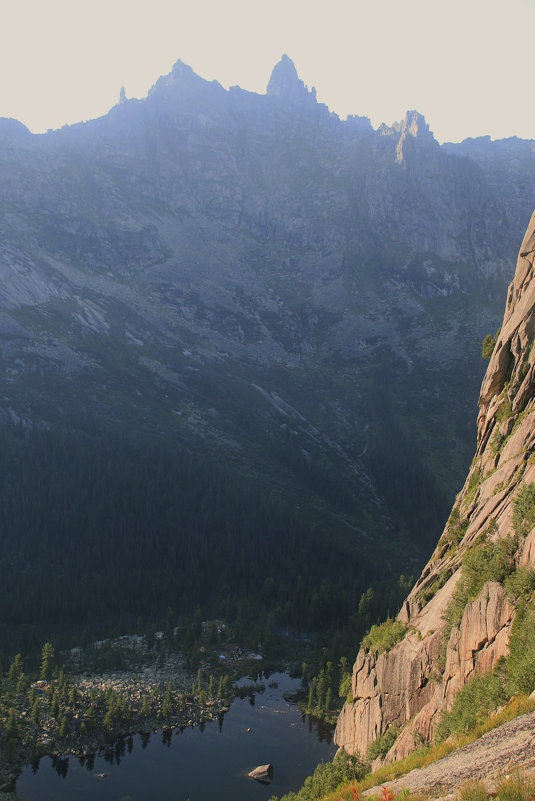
[(102, 535)]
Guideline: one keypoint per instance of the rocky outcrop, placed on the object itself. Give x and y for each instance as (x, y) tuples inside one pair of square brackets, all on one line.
[(286, 84), (410, 685)]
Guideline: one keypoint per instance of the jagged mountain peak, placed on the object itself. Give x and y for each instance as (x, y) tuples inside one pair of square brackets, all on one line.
[(286, 84), (183, 80), (415, 124)]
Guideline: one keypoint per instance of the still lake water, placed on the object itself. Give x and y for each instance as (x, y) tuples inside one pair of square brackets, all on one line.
[(199, 765)]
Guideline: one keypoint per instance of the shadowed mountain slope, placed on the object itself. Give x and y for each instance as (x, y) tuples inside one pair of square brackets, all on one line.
[(298, 299)]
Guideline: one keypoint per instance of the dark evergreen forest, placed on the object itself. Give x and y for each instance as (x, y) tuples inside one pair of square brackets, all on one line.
[(102, 535)]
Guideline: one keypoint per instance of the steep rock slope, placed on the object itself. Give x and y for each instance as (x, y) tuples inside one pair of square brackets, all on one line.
[(443, 648)]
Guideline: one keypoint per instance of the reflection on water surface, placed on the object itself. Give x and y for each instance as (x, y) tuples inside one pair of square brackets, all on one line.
[(210, 761)]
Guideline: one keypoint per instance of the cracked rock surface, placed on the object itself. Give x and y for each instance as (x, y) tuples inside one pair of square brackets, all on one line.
[(412, 684)]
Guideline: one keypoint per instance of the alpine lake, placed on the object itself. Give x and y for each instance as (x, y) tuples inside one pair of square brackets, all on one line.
[(199, 763)]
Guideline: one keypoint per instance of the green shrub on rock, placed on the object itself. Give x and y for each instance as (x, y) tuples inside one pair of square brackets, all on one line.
[(490, 561), (477, 699), (487, 346), (456, 527), (328, 776), (382, 745), (521, 660), (521, 583), (524, 509), (385, 636)]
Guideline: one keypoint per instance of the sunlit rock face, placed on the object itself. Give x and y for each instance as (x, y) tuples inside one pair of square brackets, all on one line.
[(419, 678)]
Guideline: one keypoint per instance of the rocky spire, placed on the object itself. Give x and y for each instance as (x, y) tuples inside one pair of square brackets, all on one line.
[(286, 84), (413, 129), (414, 124)]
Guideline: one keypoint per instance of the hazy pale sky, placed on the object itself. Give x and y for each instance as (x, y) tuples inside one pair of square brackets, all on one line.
[(465, 64)]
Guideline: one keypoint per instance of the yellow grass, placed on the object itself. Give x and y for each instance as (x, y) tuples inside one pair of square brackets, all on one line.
[(519, 705)]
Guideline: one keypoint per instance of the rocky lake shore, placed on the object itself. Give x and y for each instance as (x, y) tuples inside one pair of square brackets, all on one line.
[(85, 714)]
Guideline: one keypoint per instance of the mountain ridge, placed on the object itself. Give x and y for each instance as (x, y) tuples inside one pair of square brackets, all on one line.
[(294, 296)]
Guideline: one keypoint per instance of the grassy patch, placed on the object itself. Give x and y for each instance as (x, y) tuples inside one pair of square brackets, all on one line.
[(485, 561), (425, 595), (473, 484), (497, 442), (385, 636), (456, 527), (521, 659), (524, 509), (521, 582), (382, 745), (473, 791), (520, 705), (327, 777), (475, 701), (516, 787), (505, 411)]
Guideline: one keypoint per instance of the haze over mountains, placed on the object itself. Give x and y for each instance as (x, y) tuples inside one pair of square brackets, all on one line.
[(295, 298)]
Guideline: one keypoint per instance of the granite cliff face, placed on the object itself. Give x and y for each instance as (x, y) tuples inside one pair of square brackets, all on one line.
[(248, 275), (419, 677)]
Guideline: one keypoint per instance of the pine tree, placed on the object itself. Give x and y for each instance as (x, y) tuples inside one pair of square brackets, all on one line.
[(62, 685), (15, 671), (91, 717), (36, 711), (145, 707), (320, 689), (47, 661), (109, 719), (22, 683), (12, 727), (226, 686), (310, 704), (167, 707), (64, 727)]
